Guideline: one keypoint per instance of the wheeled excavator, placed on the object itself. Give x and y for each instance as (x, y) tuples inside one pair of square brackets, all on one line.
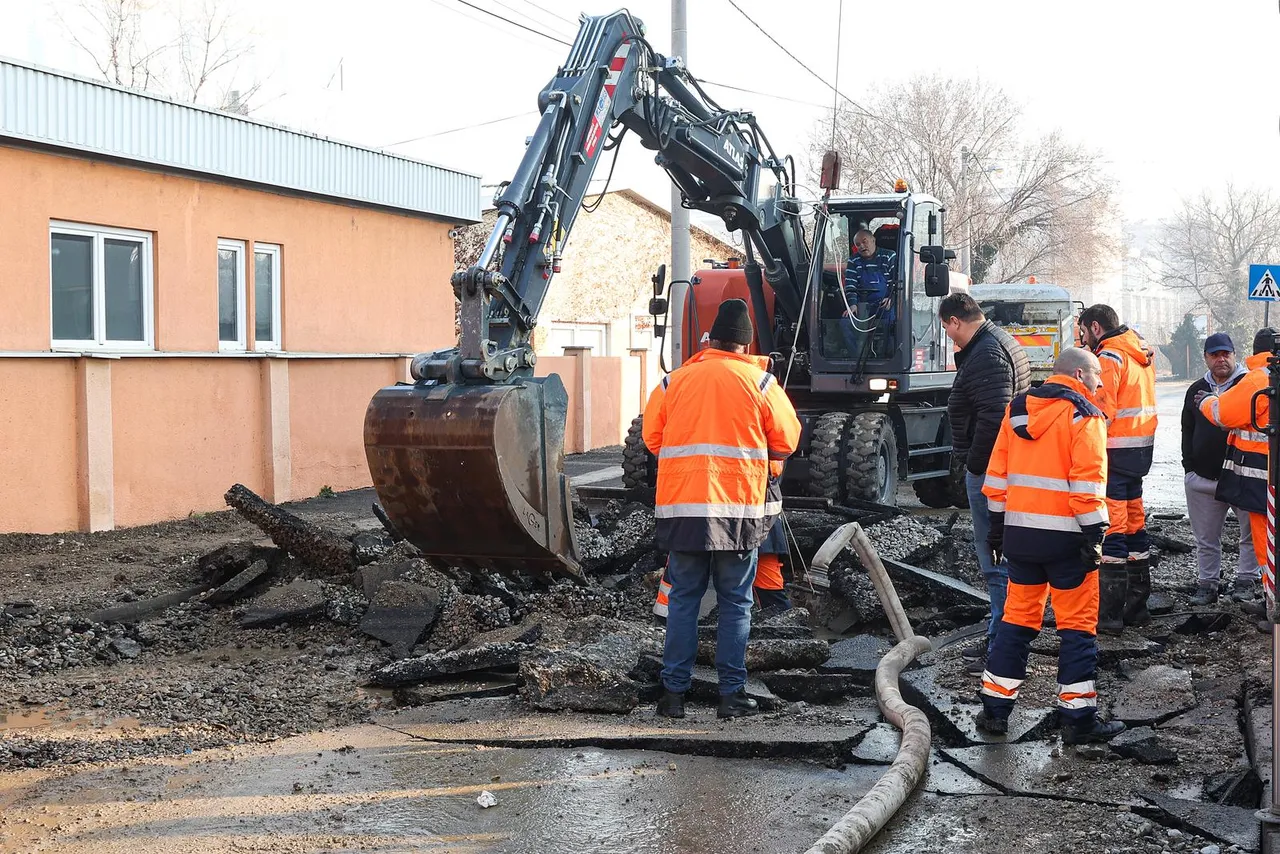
[(468, 459)]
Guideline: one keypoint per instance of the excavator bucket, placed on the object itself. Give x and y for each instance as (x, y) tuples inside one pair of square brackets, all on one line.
[(474, 474)]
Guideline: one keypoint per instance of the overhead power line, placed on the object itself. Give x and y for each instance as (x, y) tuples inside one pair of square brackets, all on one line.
[(460, 129), (536, 32)]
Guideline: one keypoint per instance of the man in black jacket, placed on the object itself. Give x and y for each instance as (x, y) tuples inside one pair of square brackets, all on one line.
[(991, 368), (1204, 446)]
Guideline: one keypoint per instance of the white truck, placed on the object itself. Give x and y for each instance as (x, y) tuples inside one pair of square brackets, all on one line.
[(1040, 317)]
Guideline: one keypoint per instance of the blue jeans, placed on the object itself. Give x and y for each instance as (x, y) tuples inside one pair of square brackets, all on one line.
[(997, 577), (688, 573)]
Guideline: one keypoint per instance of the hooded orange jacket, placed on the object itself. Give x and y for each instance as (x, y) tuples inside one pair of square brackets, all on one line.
[(1048, 471), (1243, 482), (717, 425), (1128, 399)]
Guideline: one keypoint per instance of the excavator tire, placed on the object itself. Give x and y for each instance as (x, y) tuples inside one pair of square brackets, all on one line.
[(639, 466), (871, 459), (934, 492), (826, 453)]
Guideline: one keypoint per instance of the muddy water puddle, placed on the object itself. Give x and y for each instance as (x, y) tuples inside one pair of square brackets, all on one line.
[(372, 787), (44, 721)]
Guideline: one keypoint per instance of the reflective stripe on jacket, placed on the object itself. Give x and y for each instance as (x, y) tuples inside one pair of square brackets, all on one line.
[(715, 425), (1048, 471), (1128, 399), (1243, 482)]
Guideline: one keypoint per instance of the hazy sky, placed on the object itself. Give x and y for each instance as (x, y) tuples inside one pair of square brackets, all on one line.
[(1177, 96)]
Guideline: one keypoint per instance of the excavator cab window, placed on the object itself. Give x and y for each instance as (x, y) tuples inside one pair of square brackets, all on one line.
[(856, 325)]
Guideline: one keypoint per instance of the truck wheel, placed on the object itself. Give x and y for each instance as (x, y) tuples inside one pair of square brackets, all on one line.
[(934, 492), (826, 449), (639, 467), (871, 459)]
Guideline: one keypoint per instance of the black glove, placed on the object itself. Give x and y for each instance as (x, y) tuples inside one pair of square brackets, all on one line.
[(1200, 396), (995, 537), (1091, 549)]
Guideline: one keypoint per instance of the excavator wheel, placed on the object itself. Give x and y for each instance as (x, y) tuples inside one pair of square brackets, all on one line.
[(639, 465), (474, 474), (826, 456), (934, 492), (871, 459)]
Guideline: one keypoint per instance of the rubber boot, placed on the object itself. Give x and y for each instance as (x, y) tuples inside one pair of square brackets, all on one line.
[(1113, 585), (1135, 600)]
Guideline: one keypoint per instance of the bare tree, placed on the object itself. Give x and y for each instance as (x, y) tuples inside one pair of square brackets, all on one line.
[(1207, 246), (210, 45), (191, 51), (114, 35), (1023, 206)]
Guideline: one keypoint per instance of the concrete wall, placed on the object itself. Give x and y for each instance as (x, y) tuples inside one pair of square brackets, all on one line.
[(354, 280), (97, 441), (605, 393)]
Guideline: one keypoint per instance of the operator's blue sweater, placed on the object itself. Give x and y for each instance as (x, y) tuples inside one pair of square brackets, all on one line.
[(871, 280)]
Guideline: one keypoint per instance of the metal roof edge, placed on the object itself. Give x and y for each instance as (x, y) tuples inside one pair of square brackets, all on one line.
[(79, 78)]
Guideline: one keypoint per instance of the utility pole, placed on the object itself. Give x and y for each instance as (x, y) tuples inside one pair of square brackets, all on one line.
[(681, 266), (966, 251)]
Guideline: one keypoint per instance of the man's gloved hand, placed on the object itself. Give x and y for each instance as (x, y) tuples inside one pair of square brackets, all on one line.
[(995, 537), (1200, 396), (1091, 550)]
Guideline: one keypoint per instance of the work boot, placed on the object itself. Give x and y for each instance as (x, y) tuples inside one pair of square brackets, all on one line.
[(1113, 584), (1244, 590), (1094, 731), (1139, 588), (671, 705), (992, 725), (737, 705), (1206, 594), (977, 666), (975, 650)]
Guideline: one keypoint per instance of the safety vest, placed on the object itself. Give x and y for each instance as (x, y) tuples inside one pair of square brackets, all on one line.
[(1048, 470), (1128, 399), (1243, 482), (715, 425)]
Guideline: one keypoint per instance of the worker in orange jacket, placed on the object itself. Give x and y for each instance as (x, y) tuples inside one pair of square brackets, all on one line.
[(1243, 481), (1128, 400), (1045, 488), (720, 426)]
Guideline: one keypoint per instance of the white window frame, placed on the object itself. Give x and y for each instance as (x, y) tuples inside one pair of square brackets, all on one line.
[(575, 328), (99, 233), (276, 342), (242, 341)]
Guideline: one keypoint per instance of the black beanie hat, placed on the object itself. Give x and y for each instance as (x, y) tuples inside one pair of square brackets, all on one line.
[(1262, 340), (733, 323)]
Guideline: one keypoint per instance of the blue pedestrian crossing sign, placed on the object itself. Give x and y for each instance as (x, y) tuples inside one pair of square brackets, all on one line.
[(1262, 282)]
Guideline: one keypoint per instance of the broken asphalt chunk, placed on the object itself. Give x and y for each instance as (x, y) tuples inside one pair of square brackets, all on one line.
[(705, 688), (369, 546), (814, 687), (239, 583), (591, 678), (322, 550), (1144, 746), (1153, 695), (859, 655), (401, 612), (774, 654), (1229, 825), (294, 602), (495, 656)]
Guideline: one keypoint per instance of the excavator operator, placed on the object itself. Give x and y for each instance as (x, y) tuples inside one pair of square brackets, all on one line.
[(870, 284)]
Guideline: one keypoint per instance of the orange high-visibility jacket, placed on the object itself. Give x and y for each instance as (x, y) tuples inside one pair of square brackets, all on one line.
[(1128, 399), (1243, 482), (717, 425), (1048, 471)]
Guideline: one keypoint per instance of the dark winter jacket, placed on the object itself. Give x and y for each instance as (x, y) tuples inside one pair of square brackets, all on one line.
[(990, 370), (1204, 445)]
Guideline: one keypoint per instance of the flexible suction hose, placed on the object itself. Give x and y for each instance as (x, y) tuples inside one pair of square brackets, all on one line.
[(873, 811)]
